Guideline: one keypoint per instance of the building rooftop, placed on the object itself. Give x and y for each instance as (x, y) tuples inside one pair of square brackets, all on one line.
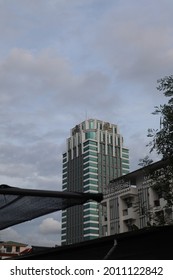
[(12, 243)]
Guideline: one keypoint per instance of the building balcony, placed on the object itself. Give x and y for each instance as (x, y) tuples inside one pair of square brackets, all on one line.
[(129, 214), (104, 219), (156, 209), (131, 193)]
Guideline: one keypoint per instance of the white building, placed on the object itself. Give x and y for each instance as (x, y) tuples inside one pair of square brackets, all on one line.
[(130, 202), (9, 249)]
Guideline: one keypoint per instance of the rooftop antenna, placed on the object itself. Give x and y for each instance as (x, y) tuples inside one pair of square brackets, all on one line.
[(86, 114)]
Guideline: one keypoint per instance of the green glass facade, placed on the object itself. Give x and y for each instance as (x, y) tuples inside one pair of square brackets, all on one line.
[(95, 155)]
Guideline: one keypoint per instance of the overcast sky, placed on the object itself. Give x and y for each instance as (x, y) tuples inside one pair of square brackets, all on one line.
[(62, 61)]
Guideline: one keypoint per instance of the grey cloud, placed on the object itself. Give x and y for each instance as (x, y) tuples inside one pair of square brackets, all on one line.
[(46, 78), (35, 232), (43, 91), (48, 23), (50, 226), (10, 234), (38, 165), (136, 40), (24, 76)]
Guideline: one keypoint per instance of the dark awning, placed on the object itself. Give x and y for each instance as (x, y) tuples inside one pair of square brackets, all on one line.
[(20, 205)]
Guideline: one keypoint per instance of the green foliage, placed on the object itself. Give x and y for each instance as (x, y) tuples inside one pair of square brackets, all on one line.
[(162, 183), (162, 140), (145, 161), (162, 143)]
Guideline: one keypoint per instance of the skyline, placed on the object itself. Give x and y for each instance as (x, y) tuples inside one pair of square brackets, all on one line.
[(62, 61)]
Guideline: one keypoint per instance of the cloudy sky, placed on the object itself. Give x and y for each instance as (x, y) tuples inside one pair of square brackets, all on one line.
[(62, 61)]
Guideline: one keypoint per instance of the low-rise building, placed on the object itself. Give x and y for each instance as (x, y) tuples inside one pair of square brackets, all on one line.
[(9, 249), (131, 203)]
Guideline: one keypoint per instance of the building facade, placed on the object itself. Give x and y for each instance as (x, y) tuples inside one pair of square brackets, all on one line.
[(9, 249), (94, 155), (130, 203)]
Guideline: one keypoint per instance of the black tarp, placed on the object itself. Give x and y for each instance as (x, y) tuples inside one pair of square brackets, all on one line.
[(19, 205)]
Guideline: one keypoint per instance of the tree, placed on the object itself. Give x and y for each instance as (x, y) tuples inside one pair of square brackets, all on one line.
[(162, 140), (145, 161), (162, 143)]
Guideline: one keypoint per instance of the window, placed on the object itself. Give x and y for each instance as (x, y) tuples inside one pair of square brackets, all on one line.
[(92, 176), (90, 135), (91, 124), (92, 218), (8, 249), (90, 159), (90, 153), (88, 182), (17, 249), (90, 142), (129, 204), (91, 188), (156, 202), (88, 164), (125, 212), (105, 218), (90, 148), (92, 170), (90, 231)]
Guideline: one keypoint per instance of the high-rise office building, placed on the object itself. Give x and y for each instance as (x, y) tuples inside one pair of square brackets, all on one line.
[(94, 155)]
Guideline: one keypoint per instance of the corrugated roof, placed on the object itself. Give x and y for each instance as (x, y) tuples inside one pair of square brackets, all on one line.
[(13, 243)]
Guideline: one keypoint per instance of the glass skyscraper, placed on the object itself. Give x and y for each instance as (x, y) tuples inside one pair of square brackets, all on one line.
[(94, 155)]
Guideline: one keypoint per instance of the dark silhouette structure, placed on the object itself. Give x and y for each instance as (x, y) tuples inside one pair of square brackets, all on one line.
[(154, 243)]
